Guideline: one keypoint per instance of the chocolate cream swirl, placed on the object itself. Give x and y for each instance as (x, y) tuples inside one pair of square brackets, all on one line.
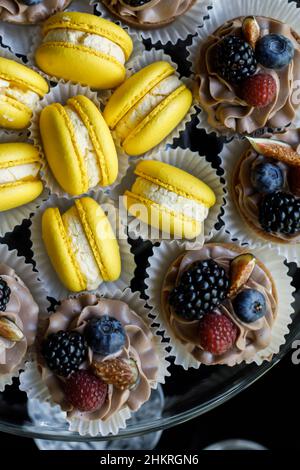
[(248, 198), (252, 337), (153, 12), (17, 12), (23, 310), (73, 314), (220, 100)]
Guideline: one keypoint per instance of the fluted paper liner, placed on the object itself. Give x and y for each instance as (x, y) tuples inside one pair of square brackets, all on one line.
[(60, 94), (235, 224), (32, 384), (180, 29), (47, 274), (30, 278), (190, 162), (224, 10), (13, 217), (167, 252)]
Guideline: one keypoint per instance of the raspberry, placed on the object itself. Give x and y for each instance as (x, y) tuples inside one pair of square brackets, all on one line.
[(85, 391), (259, 91), (217, 333)]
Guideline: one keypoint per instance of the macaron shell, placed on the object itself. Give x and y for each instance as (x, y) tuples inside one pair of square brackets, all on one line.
[(133, 90), (161, 217), (61, 150), (100, 136), (23, 76), (17, 194), (13, 114), (17, 153), (159, 123), (101, 238), (60, 252), (91, 24), (176, 180), (80, 64)]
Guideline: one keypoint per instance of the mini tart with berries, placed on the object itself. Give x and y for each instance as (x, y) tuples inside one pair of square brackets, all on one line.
[(97, 357), (266, 187), (18, 322), (220, 303), (30, 11), (245, 75), (148, 14)]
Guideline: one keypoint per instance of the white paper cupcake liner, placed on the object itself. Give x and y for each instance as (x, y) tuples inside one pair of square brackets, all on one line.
[(224, 10), (167, 252), (235, 224), (60, 94), (180, 29), (10, 219), (138, 50), (148, 58), (19, 37), (30, 278), (190, 162), (32, 384), (48, 275)]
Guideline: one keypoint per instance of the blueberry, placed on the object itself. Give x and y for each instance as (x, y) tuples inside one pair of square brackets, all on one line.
[(274, 51), (105, 335), (31, 2), (249, 305), (267, 177)]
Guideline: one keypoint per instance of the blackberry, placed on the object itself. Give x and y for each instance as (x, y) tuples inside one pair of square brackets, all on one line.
[(4, 295), (136, 3), (280, 212), (200, 290), (235, 60), (64, 352)]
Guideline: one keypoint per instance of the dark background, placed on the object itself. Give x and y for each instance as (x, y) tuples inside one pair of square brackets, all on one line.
[(267, 412)]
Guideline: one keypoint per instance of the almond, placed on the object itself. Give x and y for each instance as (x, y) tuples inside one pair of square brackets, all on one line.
[(121, 373), (280, 151), (9, 330), (241, 269), (251, 30)]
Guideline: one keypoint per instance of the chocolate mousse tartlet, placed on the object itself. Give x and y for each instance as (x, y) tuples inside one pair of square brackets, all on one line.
[(220, 302), (266, 187), (148, 14), (97, 357), (246, 74), (18, 323), (30, 11)]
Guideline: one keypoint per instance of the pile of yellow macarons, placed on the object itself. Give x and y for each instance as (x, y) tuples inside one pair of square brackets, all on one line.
[(81, 143)]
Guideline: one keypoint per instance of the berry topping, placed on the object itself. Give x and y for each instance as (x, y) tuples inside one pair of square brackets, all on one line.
[(280, 212), (64, 352), (122, 373), (274, 51), (85, 391), (249, 305), (294, 180), (136, 3), (241, 269), (217, 333), (235, 59), (4, 294), (201, 288), (267, 177), (259, 91), (105, 335)]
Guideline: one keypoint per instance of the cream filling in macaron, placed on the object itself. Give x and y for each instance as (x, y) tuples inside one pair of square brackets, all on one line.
[(27, 97), (147, 104), (93, 41), (85, 146), (170, 200), (82, 250), (25, 172)]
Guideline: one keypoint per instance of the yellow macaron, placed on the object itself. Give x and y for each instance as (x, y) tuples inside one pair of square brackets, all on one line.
[(19, 175), (81, 245), (169, 199), (78, 145), (84, 48), (20, 90), (147, 107)]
